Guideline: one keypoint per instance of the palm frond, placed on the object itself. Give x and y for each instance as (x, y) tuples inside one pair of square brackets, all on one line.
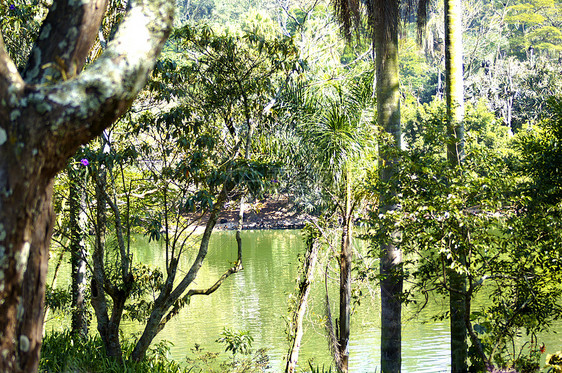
[(350, 13)]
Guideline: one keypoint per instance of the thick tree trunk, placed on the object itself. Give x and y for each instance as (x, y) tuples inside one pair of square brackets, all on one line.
[(388, 115), (41, 126), (25, 230), (33, 299), (455, 152), (302, 303)]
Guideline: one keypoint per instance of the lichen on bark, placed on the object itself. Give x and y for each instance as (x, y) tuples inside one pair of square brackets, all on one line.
[(42, 122)]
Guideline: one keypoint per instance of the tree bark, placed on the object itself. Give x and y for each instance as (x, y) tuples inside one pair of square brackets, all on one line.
[(30, 328), (345, 280), (41, 126), (78, 252), (455, 153), (388, 116)]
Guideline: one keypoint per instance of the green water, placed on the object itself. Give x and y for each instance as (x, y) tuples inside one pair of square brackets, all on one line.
[(256, 300)]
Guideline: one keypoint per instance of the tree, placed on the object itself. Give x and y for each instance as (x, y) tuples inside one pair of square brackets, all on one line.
[(340, 145), (383, 20), (455, 152), (311, 237), (181, 152), (383, 17), (47, 112), (476, 221), (76, 172)]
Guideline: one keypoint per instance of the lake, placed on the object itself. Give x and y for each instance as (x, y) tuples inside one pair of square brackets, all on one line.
[(256, 300)]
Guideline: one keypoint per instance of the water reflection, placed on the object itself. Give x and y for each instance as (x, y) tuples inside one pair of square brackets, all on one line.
[(256, 300)]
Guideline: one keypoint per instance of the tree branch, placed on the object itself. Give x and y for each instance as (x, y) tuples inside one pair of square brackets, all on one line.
[(75, 111), (11, 83), (64, 41)]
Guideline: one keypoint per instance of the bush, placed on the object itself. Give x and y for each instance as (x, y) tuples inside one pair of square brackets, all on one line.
[(63, 352)]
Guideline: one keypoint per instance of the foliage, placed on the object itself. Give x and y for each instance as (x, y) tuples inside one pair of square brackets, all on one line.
[(416, 75), (332, 144), (237, 118), (540, 155), (474, 220), (210, 362), (424, 127), (20, 21), (64, 352), (58, 299), (318, 369), (236, 341), (535, 24), (146, 284), (517, 91)]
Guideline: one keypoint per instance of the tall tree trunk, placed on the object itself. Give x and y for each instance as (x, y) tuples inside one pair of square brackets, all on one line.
[(345, 281), (388, 115), (297, 330), (455, 152), (78, 252), (454, 81)]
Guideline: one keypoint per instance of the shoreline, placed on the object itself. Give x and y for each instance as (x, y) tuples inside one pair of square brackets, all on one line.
[(275, 213)]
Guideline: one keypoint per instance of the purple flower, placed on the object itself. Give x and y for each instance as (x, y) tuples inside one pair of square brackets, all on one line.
[(84, 162), (12, 7)]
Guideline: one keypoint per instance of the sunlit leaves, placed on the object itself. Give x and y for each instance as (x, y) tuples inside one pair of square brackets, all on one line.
[(20, 21), (537, 22), (479, 220)]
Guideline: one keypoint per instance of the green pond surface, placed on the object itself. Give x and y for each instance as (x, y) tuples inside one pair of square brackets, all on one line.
[(256, 300)]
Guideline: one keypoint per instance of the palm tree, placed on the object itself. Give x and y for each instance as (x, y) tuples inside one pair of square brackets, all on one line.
[(338, 132), (383, 17), (383, 20), (455, 152)]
